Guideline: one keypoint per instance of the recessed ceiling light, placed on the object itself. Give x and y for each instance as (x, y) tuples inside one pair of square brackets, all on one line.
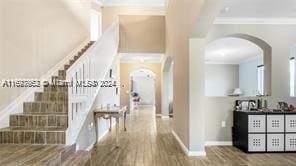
[(221, 54), (142, 60)]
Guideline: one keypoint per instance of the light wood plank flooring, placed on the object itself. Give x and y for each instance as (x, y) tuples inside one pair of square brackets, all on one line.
[(28, 155), (149, 142)]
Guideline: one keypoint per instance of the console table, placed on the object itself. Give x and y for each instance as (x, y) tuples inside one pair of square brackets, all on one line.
[(109, 113)]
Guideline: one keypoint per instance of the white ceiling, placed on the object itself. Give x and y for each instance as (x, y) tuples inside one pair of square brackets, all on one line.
[(259, 9), (134, 2), (231, 51), (141, 58)]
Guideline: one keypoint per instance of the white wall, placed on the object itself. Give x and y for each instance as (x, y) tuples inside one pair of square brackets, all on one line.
[(167, 87), (221, 79), (171, 84), (145, 86), (34, 36), (106, 96), (248, 76)]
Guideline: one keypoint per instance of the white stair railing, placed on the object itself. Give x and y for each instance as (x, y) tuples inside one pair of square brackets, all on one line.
[(93, 65)]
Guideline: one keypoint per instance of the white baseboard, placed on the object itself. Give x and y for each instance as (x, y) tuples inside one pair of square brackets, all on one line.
[(218, 143), (197, 154), (159, 115), (104, 134), (89, 148), (185, 149)]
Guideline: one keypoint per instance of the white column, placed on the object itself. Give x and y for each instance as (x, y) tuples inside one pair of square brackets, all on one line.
[(196, 97)]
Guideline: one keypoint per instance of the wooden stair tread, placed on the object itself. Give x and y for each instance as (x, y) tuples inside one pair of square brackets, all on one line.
[(41, 114), (52, 92), (45, 102), (51, 129)]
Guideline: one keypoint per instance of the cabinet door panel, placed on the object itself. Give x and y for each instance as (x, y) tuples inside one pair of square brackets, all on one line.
[(290, 123), (256, 143), (275, 142), (256, 123), (275, 123), (290, 142)]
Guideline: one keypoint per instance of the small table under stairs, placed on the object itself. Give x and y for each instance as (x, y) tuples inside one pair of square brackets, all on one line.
[(109, 113)]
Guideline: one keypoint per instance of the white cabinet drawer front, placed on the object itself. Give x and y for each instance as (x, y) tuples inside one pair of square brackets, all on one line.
[(256, 123), (275, 123), (290, 142), (256, 143), (275, 142), (290, 123)]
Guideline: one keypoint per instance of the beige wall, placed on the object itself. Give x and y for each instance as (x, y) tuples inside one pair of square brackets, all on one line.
[(180, 20), (142, 34), (34, 36), (111, 13), (125, 71)]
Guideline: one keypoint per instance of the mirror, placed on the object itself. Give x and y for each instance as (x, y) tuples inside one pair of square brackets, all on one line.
[(237, 66)]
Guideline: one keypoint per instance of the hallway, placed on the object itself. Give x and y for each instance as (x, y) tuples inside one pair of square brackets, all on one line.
[(149, 142)]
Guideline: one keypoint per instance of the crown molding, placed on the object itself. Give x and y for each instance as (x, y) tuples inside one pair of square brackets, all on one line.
[(267, 21), (134, 5), (97, 2), (141, 58)]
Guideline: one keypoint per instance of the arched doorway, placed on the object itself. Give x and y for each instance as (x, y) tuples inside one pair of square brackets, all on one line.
[(167, 89), (143, 89)]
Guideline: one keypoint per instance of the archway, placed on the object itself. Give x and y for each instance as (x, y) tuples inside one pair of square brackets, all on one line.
[(143, 88), (167, 88), (251, 42)]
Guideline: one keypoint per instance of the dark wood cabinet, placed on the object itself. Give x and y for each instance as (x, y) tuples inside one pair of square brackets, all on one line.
[(264, 131)]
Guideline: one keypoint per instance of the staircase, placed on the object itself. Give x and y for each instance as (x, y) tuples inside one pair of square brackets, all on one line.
[(44, 121), (46, 132)]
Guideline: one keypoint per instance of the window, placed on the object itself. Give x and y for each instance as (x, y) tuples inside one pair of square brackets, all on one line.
[(292, 77), (95, 25), (260, 74)]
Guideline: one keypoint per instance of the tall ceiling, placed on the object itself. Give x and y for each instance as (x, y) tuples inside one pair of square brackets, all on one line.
[(133, 2), (231, 51), (259, 9)]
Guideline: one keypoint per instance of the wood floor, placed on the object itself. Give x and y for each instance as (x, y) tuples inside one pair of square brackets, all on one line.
[(27, 155), (149, 142)]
